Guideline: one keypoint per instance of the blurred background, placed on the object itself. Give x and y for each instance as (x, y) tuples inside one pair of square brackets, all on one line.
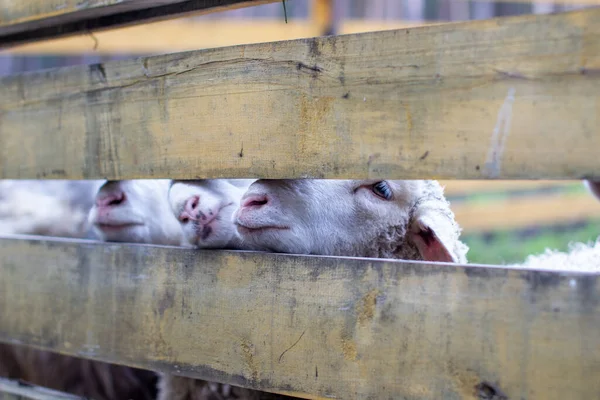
[(503, 221)]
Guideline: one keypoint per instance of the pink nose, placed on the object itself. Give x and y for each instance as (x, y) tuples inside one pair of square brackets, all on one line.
[(190, 209), (255, 201), (110, 199)]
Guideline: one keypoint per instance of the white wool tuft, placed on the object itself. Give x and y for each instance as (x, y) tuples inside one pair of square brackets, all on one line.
[(48, 208), (582, 257)]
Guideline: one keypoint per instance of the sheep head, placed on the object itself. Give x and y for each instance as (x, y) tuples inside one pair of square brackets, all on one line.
[(135, 211), (46, 207), (593, 187), (370, 218), (204, 209)]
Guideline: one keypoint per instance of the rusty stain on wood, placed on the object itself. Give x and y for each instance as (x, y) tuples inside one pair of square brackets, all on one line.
[(434, 331), (365, 309)]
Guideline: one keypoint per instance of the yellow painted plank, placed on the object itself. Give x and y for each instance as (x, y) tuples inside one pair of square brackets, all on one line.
[(349, 26), (465, 188), (313, 326), (175, 36), (520, 213), (513, 98), (24, 21)]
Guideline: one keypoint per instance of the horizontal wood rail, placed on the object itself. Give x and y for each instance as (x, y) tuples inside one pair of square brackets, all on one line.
[(481, 99), (174, 36), (314, 327), (530, 211), (467, 188), (23, 21)]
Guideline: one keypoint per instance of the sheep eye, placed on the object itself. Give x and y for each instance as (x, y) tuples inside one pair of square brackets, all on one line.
[(383, 190)]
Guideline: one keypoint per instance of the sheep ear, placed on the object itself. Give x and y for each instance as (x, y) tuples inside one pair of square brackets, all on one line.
[(594, 187), (432, 235)]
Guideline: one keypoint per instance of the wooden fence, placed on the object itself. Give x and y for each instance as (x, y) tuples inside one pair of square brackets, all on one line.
[(506, 98)]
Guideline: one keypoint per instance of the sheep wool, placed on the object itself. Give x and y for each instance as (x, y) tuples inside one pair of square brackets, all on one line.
[(582, 257)]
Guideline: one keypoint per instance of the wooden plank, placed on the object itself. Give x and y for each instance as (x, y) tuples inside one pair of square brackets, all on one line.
[(501, 99), (466, 188), (176, 36), (25, 21), (349, 26), (519, 213), (315, 327), (13, 390)]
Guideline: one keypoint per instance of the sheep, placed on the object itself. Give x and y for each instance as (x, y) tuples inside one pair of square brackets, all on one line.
[(135, 211), (395, 219), (582, 257), (49, 208), (382, 219), (60, 208), (204, 209)]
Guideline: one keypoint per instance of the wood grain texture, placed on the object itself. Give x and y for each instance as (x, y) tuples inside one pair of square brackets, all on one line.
[(13, 390), (308, 326), (31, 20), (513, 98)]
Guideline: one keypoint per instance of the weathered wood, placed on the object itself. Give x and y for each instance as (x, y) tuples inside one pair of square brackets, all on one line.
[(506, 98), (305, 325), (14, 390), (30, 20)]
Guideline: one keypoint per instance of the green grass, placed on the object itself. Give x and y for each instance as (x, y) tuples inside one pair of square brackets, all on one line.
[(503, 247)]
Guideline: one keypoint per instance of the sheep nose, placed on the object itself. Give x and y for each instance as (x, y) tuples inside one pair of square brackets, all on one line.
[(110, 199), (190, 209), (255, 201)]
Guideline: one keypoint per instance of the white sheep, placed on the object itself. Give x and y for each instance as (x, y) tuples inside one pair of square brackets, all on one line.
[(46, 207), (382, 219), (582, 257), (204, 209), (135, 211), (385, 219), (60, 208)]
